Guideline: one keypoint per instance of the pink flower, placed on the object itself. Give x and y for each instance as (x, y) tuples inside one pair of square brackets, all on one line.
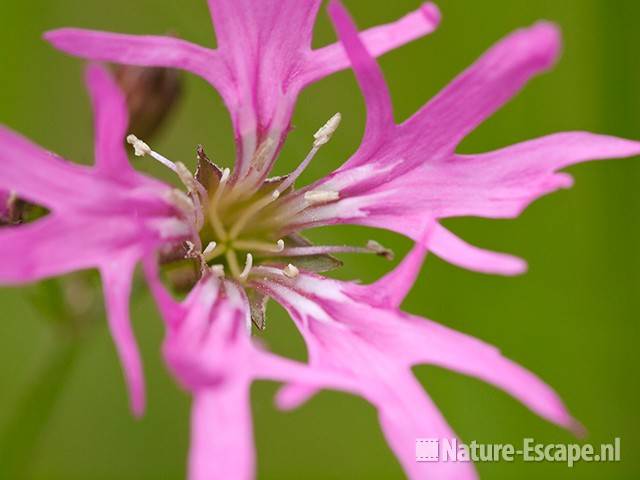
[(242, 228), (5, 198), (105, 217)]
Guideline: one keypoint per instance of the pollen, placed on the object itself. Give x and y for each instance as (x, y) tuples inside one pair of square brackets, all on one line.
[(140, 148)]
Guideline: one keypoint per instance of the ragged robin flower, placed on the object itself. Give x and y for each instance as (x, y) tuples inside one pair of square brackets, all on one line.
[(240, 243)]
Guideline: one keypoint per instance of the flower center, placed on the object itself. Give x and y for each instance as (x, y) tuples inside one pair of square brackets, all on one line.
[(236, 231)]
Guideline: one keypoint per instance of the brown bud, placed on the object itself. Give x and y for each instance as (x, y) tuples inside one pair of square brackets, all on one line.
[(151, 94)]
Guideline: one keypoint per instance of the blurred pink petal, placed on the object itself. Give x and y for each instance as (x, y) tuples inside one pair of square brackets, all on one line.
[(209, 349), (106, 217)]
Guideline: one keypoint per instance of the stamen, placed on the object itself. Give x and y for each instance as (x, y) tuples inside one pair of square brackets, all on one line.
[(141, 149), (321, 196), (322, 136), (252, 210), (291, 271), (260, 246), (189, 181), (209, 248), (247, 268), (197, 191), (380, 250), (371, 247)]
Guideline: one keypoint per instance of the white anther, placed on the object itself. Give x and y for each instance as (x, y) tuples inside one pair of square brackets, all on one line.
[(140, 148), (291, 271), (190, 247), (247, 267), (209, 248), (379, 249), (217, 270), (323, 135), (280, 245), (275, 195), (321, 196)]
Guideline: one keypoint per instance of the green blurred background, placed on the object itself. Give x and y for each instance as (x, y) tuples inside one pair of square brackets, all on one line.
[(572, 318)]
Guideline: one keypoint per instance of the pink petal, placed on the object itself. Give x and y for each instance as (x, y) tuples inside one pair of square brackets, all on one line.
[(258, 72), (264, 60), (54, 246), (483, 88), (377, 40), (403, 175), (521, 173), (40, 176), (380, 124), (211, 353), (172, 311), (424, 341), (222, 434), (407, 413), (143, 50), (454, 250), (376, 346), (4, 203), (111, 122), (391, 290), (117, 275)]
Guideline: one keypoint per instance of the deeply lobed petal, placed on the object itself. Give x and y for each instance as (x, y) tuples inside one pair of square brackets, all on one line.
[(106, 217), (111, 120), (117, 275), (209, 350), (361, 335), (263, 60), (404, 174)]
